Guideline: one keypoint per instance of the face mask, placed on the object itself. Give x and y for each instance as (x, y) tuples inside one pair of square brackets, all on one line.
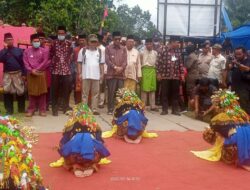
[(61, 37), (36, 44), (156, 43)]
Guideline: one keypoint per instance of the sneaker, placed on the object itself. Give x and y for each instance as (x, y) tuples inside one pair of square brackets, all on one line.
[(183, 111), (164, 113), (110, 113)]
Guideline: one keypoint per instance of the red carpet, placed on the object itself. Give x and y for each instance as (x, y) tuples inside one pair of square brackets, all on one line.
[(164, 163)]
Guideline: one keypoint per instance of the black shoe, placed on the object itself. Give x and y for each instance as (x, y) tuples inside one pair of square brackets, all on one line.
[(96, 113), (101, 106), (9, 113), (154, 109), (67, 109), (176, 113), (55, 113), (164, 113), (158, 102)]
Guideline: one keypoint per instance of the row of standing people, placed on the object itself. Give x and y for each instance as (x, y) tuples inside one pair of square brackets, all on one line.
[(43, 66), (217, 69), (96, 66)]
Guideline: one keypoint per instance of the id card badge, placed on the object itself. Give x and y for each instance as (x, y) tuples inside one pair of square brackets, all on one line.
[(173, 58)]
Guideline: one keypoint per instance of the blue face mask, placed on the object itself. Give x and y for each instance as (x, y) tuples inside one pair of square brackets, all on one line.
[(61, 37), (36, 44)]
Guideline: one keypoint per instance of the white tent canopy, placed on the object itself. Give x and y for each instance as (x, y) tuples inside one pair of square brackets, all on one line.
[(189, 17)]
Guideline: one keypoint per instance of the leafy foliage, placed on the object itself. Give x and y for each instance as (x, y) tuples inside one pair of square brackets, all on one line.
[(77, 16), (239, 11), (16, 12), (132, 21)]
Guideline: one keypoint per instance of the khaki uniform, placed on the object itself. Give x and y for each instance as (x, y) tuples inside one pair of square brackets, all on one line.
[(204, 63)]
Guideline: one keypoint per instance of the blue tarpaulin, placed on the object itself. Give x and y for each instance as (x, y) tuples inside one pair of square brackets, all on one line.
[(226, 19), (239, 36)]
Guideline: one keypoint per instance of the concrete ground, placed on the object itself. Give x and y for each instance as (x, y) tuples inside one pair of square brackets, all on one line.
[(156, 122)]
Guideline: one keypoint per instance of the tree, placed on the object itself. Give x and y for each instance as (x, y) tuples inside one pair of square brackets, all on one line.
[(74, 14), (16, 12), (77, 16), (131, 21), (239, 11)]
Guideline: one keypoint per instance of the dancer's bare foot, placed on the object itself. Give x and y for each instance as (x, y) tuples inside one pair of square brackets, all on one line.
[(84, 173), (246, 167), (136, 141)]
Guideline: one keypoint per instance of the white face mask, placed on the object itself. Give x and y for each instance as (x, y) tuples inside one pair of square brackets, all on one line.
[(36, 44), (61, 37), (156, 43)]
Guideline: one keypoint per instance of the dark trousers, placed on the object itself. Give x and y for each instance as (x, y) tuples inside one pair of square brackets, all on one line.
[(158, 93), (244, 95), (113, 86), (8, 103), (60, 84), (214, 82), (48, 98), (170, 91)]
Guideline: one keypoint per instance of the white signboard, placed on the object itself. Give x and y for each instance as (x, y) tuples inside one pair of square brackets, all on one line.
[(189, 17)]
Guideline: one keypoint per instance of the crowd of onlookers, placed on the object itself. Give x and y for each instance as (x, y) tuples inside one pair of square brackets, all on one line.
[(93, 67)]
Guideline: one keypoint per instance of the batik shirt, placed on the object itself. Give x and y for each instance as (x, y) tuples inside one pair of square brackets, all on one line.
[(61, 57), (170, 64)]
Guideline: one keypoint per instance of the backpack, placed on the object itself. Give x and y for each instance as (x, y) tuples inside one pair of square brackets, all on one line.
[(84, 55)]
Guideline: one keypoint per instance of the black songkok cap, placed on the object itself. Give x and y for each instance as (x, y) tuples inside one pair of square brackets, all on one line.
[(8, 35), (148, 40), (175, 38), (61, 28), (34, 36), (116, 34), (100, 37), (130, 37), (82, 36), (41, 34)]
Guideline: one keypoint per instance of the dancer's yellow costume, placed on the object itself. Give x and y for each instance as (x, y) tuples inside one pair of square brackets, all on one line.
[(129, 121), (229, 131)]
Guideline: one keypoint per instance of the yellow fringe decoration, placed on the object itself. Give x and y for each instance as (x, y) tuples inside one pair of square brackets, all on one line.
[(146, 134), (213, 154), (105, 161), (108, 134), (57, 164)]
